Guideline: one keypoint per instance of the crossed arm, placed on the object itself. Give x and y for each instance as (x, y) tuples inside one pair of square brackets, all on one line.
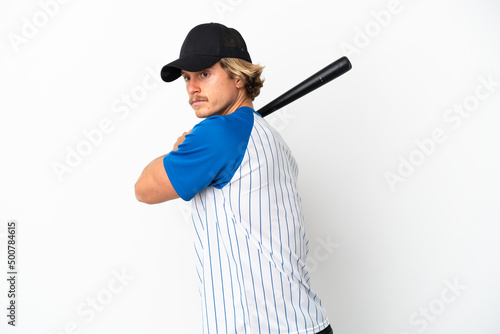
[(154, 186)]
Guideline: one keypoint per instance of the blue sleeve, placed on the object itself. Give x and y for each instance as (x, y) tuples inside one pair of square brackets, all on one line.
[(210, 154)]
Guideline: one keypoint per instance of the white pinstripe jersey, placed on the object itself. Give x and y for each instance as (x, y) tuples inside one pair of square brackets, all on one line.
[(251, 244)]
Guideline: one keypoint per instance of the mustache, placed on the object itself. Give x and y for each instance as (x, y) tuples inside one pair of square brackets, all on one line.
[(197, 98)]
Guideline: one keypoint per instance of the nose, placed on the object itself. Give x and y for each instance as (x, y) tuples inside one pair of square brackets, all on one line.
[(193, 86)]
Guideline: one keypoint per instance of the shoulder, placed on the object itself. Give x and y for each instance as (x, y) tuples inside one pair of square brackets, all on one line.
[(222, 131), (239, 118)]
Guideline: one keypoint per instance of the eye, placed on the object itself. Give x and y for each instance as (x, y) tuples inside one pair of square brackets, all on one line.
[(204, 74), (186, 78)]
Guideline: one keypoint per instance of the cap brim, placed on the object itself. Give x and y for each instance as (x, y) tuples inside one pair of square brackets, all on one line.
[(191, 63)]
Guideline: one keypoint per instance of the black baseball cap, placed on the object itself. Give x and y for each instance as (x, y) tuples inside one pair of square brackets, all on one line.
[(205, 45)]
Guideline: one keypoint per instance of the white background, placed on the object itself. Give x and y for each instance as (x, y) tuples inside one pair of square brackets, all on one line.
[(382, 256)]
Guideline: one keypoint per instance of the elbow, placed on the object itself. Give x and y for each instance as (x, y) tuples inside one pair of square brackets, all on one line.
[(141, 194), (150, 191)]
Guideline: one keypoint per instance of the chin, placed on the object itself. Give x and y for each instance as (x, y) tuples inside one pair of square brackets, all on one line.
[(200, 113), (203, 113)]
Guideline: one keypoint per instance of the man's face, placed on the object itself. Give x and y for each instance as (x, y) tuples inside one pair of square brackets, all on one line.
[(213, 92)]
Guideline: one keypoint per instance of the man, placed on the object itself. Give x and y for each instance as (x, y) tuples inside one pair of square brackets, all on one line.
[(240, 177)]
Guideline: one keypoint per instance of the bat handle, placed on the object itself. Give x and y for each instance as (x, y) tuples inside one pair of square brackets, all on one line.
[(320, 78)]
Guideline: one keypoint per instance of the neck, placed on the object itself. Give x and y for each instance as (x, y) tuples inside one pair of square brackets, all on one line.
[(243, 101)]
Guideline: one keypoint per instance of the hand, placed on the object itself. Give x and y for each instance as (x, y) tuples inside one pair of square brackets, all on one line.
[(180, 140)]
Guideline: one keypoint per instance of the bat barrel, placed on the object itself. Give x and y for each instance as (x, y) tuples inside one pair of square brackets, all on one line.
[(325, 75)]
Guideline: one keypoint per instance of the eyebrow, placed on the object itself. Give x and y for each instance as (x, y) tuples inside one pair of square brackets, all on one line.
[(204, 70)]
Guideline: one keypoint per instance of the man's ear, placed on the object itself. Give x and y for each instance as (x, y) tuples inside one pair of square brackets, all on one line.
[(239, 83)]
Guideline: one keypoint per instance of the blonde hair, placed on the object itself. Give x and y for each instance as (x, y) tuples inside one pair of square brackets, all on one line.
[(247, 72)]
